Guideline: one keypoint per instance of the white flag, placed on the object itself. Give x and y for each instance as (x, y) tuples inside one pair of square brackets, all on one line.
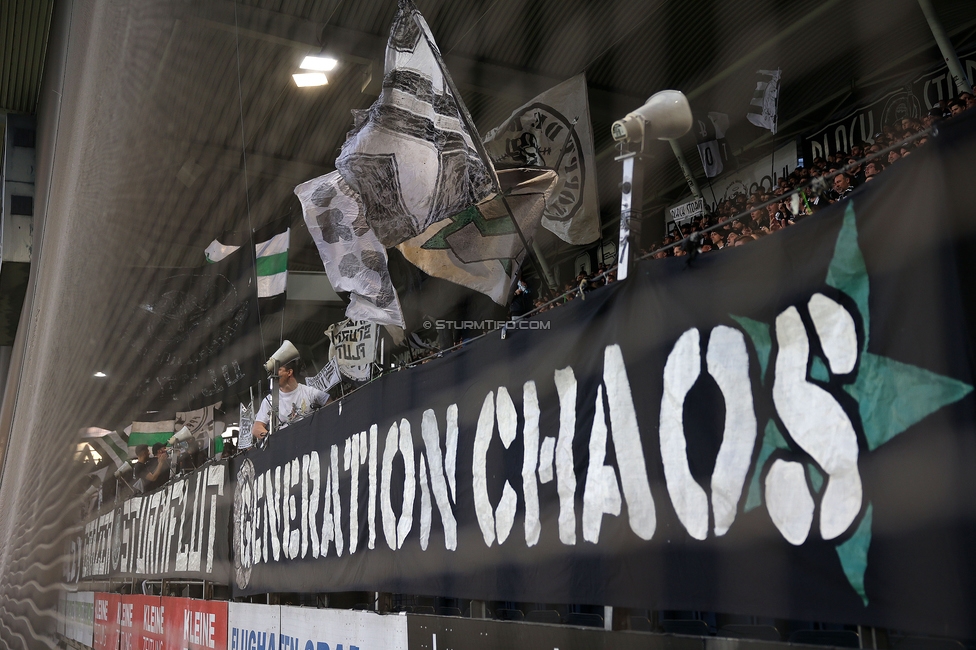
[(202, 423), (409, 156), (217, 251), (553, 132), (710, 132), (109, 445), (766, 98), (326, 378), (354, 258), (246, 422), (353, 347)]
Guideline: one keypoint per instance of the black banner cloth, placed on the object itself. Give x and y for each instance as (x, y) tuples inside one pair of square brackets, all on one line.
[(785, 429), (197, 336), (178, 531)]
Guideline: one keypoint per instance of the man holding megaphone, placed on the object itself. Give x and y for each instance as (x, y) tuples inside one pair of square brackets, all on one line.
[(295, 400)]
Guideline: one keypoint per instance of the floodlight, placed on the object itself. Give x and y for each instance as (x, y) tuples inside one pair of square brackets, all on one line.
[(307, 79), (318, 63)]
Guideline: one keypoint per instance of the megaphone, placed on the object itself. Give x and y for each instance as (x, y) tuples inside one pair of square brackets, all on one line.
[(666, 116), (180, 436), (122, 471), (287, 352)]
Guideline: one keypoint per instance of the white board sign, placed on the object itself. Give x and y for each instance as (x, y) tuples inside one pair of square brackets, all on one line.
[(79, 613), (301, 627), (253, 626), (682, 212)]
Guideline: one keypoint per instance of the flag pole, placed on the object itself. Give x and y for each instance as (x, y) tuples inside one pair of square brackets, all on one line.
[(475, 136)]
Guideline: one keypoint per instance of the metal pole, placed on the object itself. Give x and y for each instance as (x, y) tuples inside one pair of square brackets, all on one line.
[(631, 206), (479, 146), (685, 169), (945, 46), (546, 271), (273, 420)]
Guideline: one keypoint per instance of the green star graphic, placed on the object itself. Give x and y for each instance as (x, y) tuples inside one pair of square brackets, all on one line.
[(487, 228), (891, 395)]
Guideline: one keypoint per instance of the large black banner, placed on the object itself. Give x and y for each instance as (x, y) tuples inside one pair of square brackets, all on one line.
[(859, 124), (178, 531), (197, 336), (783, 429)]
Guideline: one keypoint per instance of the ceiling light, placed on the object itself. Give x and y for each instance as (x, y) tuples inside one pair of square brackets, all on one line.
[(100, 374), (303, 80), (320, 63)]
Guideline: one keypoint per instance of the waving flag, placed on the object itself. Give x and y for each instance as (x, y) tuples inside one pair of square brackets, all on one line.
[(271, 258), (409, 156), (353, 256), (766, 98), (553, 132), (479, 247)]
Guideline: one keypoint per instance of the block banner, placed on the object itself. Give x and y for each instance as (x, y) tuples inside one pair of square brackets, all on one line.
[(785, 429), (105, 625), (179, 530)]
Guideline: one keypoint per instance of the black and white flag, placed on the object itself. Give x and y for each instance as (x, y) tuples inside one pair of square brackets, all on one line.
[(766, 100), (552, 131), (710, 132), (409, 156), (326, 378), (354, 258)]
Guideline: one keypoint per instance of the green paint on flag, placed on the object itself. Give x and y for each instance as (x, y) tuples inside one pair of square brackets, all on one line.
[(772, 440), (854, 554), (847, 271), (816, 477), (892, 396), (818, 370), (486, 227), (759, 333), (149, 438), (272, 264)]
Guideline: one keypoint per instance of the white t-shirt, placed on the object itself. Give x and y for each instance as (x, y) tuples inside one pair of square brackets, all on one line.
[(292, 406)]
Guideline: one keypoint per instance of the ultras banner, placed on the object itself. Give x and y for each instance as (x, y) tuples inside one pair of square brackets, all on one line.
[(179, 530), (783, 429)]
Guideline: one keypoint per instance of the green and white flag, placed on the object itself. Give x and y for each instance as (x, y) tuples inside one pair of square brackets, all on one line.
[(149, 433), (109, 445), (271, 262), (217, 251)]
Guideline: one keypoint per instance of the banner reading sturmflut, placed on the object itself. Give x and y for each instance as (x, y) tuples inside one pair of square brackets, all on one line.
[(179, 530), (784, 429)]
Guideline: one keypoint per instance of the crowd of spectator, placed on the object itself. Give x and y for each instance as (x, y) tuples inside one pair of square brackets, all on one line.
[(850, 169)]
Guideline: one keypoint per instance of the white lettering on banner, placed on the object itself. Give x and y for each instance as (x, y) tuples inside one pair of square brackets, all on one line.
[(270, 523), (173, 529), (815, 420), (200, 628), (152, 618), (687, 210)]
